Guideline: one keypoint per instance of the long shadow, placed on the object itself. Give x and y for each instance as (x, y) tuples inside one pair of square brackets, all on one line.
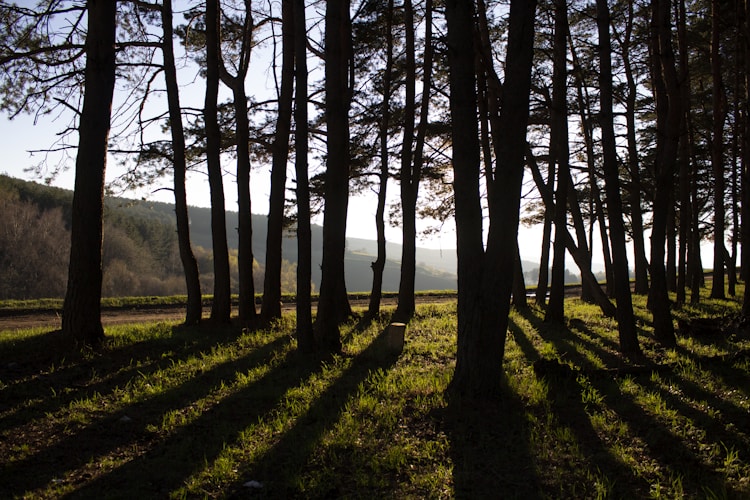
[(523, 342), (668, 450), (43, 393), (566, 402), (716, 429), (186, 451), (107, 433), (489, 447), (280, 467), (562, 338)]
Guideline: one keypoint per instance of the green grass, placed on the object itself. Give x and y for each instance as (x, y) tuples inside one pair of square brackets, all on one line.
[(165, 411)]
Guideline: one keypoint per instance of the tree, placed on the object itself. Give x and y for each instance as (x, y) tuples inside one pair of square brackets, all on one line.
[(485, 276), (625, 318), (221, 306), (669, 112), (333, 305), (412, 160), (717, 154), (81, 322), (559, 153), (271, 308), (378, 266), (236, 83), (194, 309), (305, 339)]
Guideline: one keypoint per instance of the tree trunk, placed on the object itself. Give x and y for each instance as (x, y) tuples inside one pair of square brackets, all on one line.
[(540, 296), (483, 277), (379, 265), (559, 151), (271, 307), (669, 112), (305, 339), (221, 307), (685, 213), (333, 305), (639, 245), (81, 322), (625, 318), (411, 173), (717, 156), (581, 258), (194, 310)]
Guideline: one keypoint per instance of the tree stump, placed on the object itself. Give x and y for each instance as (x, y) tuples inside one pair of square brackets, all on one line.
[(394, 337)]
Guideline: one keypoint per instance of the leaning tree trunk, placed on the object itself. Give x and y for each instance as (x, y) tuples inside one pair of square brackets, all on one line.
[(221, 307), (271, 307), (81, 322), (179, 164)]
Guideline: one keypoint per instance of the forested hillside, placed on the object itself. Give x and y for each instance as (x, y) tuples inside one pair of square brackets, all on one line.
[(140, 248)]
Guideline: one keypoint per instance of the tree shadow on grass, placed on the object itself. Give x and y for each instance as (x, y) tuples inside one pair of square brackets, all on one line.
[(672, 453), (105, 433), (51, 375), (565, 394), (489, 447), (282, 466)]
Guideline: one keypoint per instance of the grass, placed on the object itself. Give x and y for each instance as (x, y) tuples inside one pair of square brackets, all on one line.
[(164, 411)]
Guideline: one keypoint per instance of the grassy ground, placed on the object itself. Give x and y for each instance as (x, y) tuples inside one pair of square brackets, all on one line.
[(163, 411)]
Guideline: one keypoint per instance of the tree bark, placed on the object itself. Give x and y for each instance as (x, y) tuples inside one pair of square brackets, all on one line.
[(194, 310), (641, 286), (669, 112), (333, 305), (271, 307), (717, 156), (559, 151), (221, 307), (81, 322), (305, 339), (385, 120), (484, 277)]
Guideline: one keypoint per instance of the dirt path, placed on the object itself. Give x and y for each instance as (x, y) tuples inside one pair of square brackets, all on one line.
[(53, 319)]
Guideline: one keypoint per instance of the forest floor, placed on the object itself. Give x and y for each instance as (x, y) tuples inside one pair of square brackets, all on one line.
[(166, 411)]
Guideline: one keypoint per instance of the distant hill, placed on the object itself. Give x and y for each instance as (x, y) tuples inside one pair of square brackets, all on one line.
[(436, 269)]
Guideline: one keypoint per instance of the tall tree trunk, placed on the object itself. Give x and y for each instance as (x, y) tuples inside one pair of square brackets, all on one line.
[(559, 152), (236, 83), (669, 112), (333, 305), (717, 155), (385, 121), (540, 297), (483, 277), (81, 322), (405, 308), (221, 307), (685, 213), (625, 318), (305, 339), (179, 164), (745, 167), (639, 245), (271, 307)]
